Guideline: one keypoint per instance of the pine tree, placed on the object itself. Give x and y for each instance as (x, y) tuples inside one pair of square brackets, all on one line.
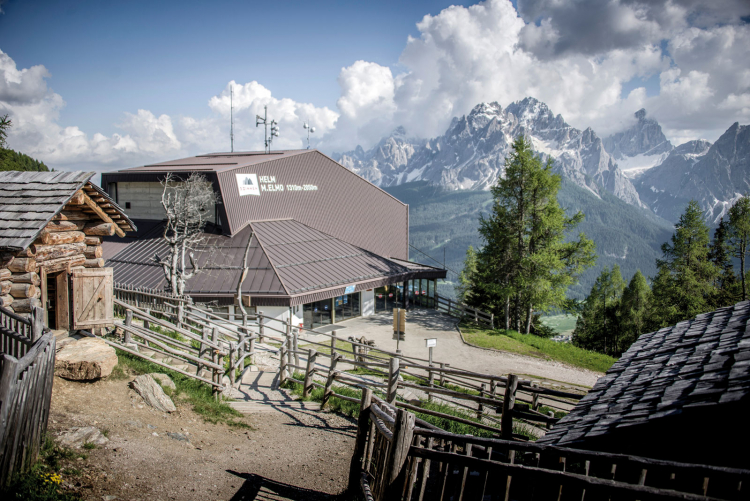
[(598, 326), (685, 278), (728, 288), (739, 235), (467, 275), (525, 264), (634, 310)]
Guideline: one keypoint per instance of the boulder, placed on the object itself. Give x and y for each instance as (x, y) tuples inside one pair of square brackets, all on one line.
[(152, 393), (85, 360), (164, 380), (76, 437)]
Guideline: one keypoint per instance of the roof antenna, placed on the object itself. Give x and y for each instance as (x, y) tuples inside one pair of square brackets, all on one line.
[(231, 116), (274, 128), (309, 130)]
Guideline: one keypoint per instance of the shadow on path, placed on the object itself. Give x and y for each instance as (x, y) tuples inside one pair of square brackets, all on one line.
[(260, 488)]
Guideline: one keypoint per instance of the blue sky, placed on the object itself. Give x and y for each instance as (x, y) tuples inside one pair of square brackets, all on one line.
[(170, 57), (106, 85)]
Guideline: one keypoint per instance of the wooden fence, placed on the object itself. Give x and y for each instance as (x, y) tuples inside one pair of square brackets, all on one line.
[(396, 458), (460, 310), (27, 366), (148, 299)]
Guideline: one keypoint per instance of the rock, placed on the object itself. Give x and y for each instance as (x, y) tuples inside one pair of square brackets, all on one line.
[(164, 380), (178, 436), (109, 498), (85, 360), (76, 437), (133, 424), (152, 393)]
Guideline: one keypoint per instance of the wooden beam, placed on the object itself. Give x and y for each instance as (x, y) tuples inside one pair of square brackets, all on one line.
[(103, 215)]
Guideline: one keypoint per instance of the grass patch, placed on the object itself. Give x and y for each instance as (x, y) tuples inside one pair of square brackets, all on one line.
[(562, 324), (528, 344), (188, 390), (89, 446)]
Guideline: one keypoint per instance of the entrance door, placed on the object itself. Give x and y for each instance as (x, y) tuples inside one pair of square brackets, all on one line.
[(92, 298), (57, 300)]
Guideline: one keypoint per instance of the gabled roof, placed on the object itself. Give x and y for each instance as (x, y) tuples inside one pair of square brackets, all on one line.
[(696, 365), (29, 200), (289, 263)]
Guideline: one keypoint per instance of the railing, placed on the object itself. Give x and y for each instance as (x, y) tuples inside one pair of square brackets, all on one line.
[(27, 364), (150, 299), (396, 458), (456, 309)]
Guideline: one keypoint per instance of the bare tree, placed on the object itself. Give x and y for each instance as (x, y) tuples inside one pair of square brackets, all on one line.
[(188, 204)]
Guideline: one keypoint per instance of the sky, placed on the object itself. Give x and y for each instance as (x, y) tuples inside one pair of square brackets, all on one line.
[(108, 85)]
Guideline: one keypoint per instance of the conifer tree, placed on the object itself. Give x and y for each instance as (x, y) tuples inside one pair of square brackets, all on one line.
[(467, 276), (684, 283), (634, 310), (598, 326), (525, 260), (739, 235), (728, 289)]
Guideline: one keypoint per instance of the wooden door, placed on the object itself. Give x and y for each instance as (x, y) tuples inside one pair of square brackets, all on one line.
[(92, 298)]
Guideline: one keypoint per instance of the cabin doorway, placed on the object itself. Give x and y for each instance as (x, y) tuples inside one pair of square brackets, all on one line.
[(57, 301)]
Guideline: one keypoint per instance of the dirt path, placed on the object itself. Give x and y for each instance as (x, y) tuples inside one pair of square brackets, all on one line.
[(424, 323), (289, 454)]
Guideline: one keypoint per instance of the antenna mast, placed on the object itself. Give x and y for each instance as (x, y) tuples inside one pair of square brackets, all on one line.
[(274, 128), (309, 130), (231, 116)]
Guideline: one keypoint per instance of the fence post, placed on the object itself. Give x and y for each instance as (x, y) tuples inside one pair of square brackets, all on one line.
[(282, 362), (333, 344), (430, 378), (363, 426), (480, 408), (295, 338), (146, 324), (232, 359), (180, 313), (534, 399), (128, 322), (202, 351), (403, 432), (37, 323), (506, 428), (215, 358), (329, 382), (260, 326), (393, 373), (442, 374), (309, 372)]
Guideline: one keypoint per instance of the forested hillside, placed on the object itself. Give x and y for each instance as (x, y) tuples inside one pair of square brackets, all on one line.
[(12, 160), (624, 234)]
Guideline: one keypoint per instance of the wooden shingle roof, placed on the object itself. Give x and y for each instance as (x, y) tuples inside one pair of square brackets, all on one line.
[(29, 200), (688, 368)]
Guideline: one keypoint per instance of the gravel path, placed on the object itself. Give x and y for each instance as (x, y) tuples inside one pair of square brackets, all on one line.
[(427, 323)]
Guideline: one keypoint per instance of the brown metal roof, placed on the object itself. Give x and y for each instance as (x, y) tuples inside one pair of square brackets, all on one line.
[(342, 204), (289, 264), (29, 200)]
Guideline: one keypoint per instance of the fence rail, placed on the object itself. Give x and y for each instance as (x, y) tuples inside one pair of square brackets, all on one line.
[(396, 458), (27, 364), (456, 309)]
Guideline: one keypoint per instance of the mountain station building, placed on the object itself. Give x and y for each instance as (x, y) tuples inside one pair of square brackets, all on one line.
[(326, 245)]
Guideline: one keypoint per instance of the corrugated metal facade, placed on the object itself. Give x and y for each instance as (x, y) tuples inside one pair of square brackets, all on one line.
[(344, 205)]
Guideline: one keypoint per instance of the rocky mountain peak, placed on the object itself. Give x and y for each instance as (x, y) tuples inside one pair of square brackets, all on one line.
[(645, 137)]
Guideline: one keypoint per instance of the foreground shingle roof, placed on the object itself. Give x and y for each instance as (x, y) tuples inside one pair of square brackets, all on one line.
[(288, 261), (29, 200), (694, 365)]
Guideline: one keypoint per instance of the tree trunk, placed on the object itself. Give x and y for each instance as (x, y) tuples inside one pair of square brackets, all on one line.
[(528, 319), (507, 312)]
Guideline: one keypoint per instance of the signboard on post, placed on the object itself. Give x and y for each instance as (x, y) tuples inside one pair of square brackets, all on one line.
[(430, 343), (399, 324)]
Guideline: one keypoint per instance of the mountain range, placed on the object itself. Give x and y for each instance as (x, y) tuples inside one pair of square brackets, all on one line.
[(633, 185)]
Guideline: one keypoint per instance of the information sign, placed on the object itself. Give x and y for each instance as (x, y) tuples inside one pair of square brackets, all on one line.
[(430, 343)]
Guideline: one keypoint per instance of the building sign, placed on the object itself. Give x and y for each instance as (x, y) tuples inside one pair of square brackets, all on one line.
[(349, 289), (248, 184)]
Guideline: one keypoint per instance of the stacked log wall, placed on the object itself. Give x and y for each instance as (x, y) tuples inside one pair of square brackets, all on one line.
[(71, 240)]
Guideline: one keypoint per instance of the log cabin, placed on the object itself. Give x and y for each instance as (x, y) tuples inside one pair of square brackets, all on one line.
[(51, 229)]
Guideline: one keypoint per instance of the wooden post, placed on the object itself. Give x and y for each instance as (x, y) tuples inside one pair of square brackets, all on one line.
[(145, 322), (282, 362), (309, 372), (260, 326), (550, 414), (508, 404), (393, 373), (480, 408), (329, 382), (295, 338), (232, 359), (217, 360), (333, 344), (430, 377), (360, 444), (128, 322), (441, 381), (534, 399), (203, 349), (180, 314), (403, 432)]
